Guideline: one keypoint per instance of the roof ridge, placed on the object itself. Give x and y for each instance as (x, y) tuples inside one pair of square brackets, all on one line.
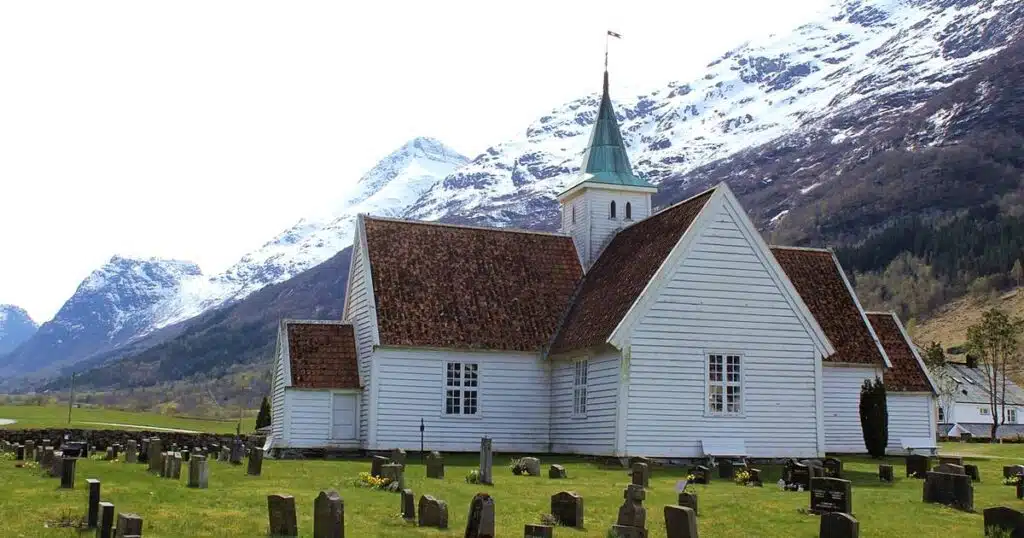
[(808, 249), (292, 321), (677, 204), (465, 226)]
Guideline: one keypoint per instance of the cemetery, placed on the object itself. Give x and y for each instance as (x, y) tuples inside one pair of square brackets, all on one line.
[(155, 489)]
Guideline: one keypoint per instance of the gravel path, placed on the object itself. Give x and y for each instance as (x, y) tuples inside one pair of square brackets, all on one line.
[(6, 421), (136, 426)]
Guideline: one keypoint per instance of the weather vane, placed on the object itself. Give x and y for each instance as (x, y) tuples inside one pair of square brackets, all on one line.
[(610, 34)]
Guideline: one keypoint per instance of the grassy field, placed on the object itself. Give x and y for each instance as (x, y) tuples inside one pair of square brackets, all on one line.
[(33, 416), (235, 504), (949, 325)]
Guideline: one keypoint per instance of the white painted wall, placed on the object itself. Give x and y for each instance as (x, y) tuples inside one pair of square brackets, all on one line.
[(277, 400), (842, 383), (910, 416), (310, 419), (514, 401), (971, 413), (722, 298), (358, 314), (593, 434), (580, 228), (594, 231)]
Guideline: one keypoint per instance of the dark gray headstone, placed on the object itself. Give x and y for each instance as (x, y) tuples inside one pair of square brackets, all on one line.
[(1012, 470), (701, 474), (105, 528), (838, 525), (530, 465), (625, 531), (255, 466), (486, 462), (30, 450), (435, 465), (1004, 519), (973, 472), (176, 466), (128, 525), (328, 515), (640, 474), (831, 495), (480, 522), (408, 505), (198, 472), (632, 512), (282, 515), (398, 456), (131, 453), (538, 531), (567, 508), (376, 466), (917, 465), (155, 450), (955, 460), (67, 472), (725, 469), (56, 464), (557, 471), (237, 452), (954, 490), (689, 500), (680, 522), (432, 512), (949, 468), (92, 510), (797, 474), (754, 478), (833, 467), (19, 452), (144, 451), (885, 473), (394, 473)]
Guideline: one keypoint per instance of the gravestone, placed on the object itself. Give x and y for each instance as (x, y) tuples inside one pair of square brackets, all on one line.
[(225, 454), (432, 512), (435, 465), (328, 515), (531, 465), (176, 461), (186, 455), (128, 525), (155, 449), (1012, 470), (117, 450), (47, 460), (641, 474), (105, 526), (131, 454), (1004, 519), (624, 531), (168, 461), (408, 505), (255, 466), (394, 473), (954, 490), (237, 452), (701, 475), (689, 500), (680, 522), (885, 473), (30, 450), (109, 454), (538, 531), (57, 464), (486, 462), (833, 467), (798, 474), (1020, 489), (917, 465), (557, 471), (398, 456), (376, 464), (567, 508), (480, 522), (955, 460), (972, 471), (632, 512), (831, 495), (19, 452), (198, 472), (282, 515), (92, 510), (144, 451), (838, 525), (949, 468), (755, 477), (67, 472), (725, 469)]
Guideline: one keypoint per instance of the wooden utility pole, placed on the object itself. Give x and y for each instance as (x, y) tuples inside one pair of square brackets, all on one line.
[(71, 398)]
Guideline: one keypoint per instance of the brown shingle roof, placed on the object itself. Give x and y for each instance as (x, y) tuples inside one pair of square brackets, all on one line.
[(322, 355), (464, 287), (906, 373), (820, 283), (622, 272)]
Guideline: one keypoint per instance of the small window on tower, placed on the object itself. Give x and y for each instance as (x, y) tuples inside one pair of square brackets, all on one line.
[(629, 211), (574, 214), (611, 210)]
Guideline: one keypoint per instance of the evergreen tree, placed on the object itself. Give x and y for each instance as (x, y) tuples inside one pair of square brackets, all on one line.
[(934, 356), (874, 417), (263, 418)]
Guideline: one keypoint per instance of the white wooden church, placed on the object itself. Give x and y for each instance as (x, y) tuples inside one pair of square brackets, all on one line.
[(675, 334)]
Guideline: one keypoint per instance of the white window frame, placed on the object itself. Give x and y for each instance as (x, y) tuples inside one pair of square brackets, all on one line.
[(1008, 411), (461, 387), (580, 380), (983, 411), (724, 383)]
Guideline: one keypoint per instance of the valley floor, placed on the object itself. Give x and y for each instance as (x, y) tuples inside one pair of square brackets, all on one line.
[(55, 416)]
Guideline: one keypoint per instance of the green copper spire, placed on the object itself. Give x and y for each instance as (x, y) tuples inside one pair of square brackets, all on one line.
[(605, 160)]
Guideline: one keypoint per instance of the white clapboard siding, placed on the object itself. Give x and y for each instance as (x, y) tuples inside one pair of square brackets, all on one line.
[(358, 314), (910, 416), (721, 298), (593, 434), (579, 230), (514, 401), (310, 420), (602, 227), (843, 433), (277, 407)]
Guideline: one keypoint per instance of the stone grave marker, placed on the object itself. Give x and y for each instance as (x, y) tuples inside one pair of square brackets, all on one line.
[(19, 452), (432, 512), (131, 454), (435, 465), (833, 467), (165, 468), (725, 469), (128, 525), (186, 455), (398, 456), (105, 526), (198, 472), (955, 460), (538, 531), (282, 515), (917, 465), (30, 450), (237, 452), (1012, 470), (328, 515), (480, 522), (954, 490), (831, 495), (255, 466), (641, 474), (1020, 489), (486, 462), (557, 471), (109, 454), (755, 477), (67, 472), (797, 474), (408, 505), (47, 460), (225, 454), (376, 465), (680, 522), (176, 466), (885, 473), (56, 464), (394, 473), (686, 498), (144, 451), (949, 468), (701, 475), (155, 449), (531, 465), (838, 525), (632, 512), (972, 471), (92, 510), (567, 508), (1005, 519)]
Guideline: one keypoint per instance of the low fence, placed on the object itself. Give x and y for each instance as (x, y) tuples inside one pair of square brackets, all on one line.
[(101, 439)]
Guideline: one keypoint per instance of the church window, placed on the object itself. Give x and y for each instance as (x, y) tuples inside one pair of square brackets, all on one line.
[(461, 385), (574, 213), (579, 389), (725, 385), (611, 210), (629, 211)]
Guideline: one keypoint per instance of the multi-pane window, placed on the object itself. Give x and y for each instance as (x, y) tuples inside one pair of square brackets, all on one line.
[(942, 415), (579, 389), (1011, 416), (461, 381), (983, 411), (724, 387)]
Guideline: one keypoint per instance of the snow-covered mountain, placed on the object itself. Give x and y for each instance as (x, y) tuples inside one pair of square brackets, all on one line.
[(16, 326)]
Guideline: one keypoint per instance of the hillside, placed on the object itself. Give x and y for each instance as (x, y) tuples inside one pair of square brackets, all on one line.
[(949, 324), (16, 326)]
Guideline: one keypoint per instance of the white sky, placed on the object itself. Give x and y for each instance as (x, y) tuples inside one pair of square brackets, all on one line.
[(200, 129)]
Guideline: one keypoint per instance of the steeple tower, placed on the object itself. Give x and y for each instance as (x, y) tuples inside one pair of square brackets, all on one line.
[(607, 195)]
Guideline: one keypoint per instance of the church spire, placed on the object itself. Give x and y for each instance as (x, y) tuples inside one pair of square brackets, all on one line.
[(605, 159)]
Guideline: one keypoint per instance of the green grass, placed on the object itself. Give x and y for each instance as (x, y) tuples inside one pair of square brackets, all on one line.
[(52, 416), (235, 504)]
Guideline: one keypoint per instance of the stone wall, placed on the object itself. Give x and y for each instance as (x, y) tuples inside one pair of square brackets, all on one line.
[(101, 439)]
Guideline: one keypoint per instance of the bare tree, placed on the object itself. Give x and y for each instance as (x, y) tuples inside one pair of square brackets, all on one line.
[(995, 343)]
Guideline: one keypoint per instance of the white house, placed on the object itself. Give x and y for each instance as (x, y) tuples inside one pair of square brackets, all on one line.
[(965, 408), (677, 334)]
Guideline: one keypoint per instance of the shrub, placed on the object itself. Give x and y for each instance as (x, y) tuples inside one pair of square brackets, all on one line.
[(874, 417), (473, 477), (741, 477)]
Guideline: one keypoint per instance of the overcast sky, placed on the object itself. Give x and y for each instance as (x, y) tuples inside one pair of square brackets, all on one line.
[(200, 129)]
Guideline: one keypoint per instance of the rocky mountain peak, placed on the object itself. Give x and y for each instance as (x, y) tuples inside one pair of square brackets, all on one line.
[(16, 326)]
